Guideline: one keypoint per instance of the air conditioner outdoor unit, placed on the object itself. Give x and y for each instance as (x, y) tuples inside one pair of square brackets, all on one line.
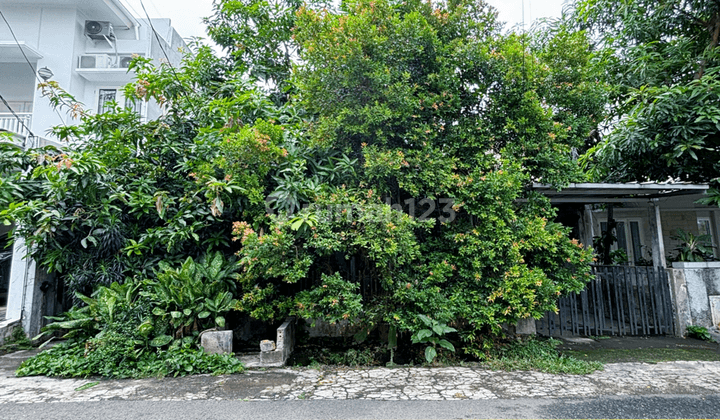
[(96, 29), (125, 61), (95, 61)]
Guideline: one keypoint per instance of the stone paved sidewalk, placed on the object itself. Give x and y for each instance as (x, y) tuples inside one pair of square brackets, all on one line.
[(452, 383)]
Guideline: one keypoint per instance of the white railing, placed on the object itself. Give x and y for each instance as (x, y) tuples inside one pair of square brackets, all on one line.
[(12, 124)]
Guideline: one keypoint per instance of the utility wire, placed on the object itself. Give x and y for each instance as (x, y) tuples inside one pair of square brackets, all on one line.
[(160, 44), (27, 60)]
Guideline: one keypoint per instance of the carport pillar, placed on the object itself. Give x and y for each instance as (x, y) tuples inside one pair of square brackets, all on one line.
[(589, 227), (658, 246)]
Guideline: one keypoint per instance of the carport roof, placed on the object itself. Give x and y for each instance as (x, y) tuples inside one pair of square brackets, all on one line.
[(590, 193)]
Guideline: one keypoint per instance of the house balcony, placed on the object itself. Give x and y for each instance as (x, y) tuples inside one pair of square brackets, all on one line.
[(19, 134), (18, 126)]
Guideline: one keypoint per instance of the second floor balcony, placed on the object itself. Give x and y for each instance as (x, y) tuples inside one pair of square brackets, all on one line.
[(15, 125)]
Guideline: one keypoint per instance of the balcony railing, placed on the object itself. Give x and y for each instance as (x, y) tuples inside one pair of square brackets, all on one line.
[(9, 122)]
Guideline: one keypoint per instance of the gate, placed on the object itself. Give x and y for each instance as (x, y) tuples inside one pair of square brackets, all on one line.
[(620, 300)]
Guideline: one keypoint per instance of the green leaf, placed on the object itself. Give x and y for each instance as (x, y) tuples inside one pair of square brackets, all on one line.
[(421, 335), (425, 319), (220, 321), (145, 328), (297, 224), (161, 340), (204, 314), (176, 314), (446, 344), (187, 312), (430, 354), (158, 311)]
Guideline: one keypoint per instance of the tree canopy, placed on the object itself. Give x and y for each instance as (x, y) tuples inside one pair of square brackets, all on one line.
[(661, 61), (368, 163)]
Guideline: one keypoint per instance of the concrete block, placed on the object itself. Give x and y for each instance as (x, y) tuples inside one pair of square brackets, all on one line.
[(272, 358), (217, 342), (715, 310), (320, 328), (267, 345), (526, 326), (7, 327), (286, 336)]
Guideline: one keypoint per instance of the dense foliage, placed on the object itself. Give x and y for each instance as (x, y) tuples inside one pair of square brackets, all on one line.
[(661, 61), (392, 143), (147, 328)]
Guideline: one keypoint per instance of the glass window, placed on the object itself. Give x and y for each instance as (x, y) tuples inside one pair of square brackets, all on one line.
[(705, 228), (134, 105), (104, 98), (633, 248)]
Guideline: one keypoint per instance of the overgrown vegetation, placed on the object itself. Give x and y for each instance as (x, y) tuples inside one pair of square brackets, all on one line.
[(661, 63), (367, 162), (114, 356), (530, 354)]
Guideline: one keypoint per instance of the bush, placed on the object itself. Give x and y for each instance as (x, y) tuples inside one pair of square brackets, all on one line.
[(144, 328), (114, 356)]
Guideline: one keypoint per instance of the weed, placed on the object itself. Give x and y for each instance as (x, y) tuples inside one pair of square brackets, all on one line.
[(537, 355), (86, 386), (701, 333), (16, 342)]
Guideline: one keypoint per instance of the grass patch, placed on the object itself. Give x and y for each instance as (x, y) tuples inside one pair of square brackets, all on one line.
[(538, 355), (647, 355)]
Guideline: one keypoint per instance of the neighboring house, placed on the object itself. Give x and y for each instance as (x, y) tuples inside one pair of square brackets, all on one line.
[(638, 208), (645, 294), (85, 46)]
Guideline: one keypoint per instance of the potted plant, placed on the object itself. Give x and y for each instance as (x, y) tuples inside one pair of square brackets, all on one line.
[(693, 248)]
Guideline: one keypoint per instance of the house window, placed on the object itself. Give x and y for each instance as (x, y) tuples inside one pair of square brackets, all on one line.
[(705, 228), (105, 97), (629, 238), (108, 96)]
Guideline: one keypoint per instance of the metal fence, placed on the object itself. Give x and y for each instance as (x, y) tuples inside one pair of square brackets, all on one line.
[(620, 300)]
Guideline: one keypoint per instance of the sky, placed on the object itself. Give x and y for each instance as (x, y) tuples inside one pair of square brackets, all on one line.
[(186, 15)]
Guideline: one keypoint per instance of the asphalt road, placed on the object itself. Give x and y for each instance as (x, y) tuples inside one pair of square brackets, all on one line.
[(607, 407)]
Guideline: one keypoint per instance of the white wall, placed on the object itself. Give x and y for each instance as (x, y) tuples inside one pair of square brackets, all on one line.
[(17, 82)]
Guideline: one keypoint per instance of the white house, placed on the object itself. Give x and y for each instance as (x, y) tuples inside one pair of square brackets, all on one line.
[(85, 46)]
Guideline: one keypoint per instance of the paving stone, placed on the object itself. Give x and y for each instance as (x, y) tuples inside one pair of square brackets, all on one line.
[(400, 383)]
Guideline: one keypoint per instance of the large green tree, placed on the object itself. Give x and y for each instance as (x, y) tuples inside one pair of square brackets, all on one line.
[(425, 101), (661, 61)]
